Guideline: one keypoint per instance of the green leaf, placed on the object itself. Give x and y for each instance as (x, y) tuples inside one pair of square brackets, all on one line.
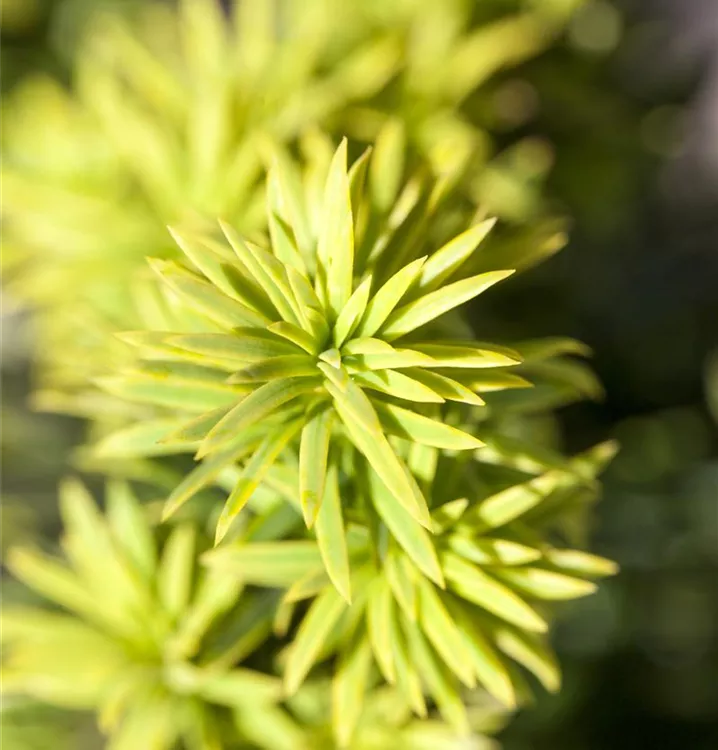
[(349, 687), (393, 359), (207, 471), (546, 348), (217, 593), (364, 430), (246, 290), (443, 634), (296, 335), (412, 426), (277, 564), (171, 391), (357, 179), (283, 617), (283, 243), (142, 439), (289, 183), (487, 381), (149, 722), (401, 576), (351, 313), (449, 258), (447, 388), (316, 627), (176, 571), (531, 653), (432, 305), (414, 539), (546, 584), (521, 250), (205, 298), (581, 563), (153, 344), (408, 228), (266, 400), (308, 586), (235, 687), (332, 357), (382, 304), (200, 730), (475, 586), (331, 537), (387, 164), (486, 551), (303, 291), (486, 662), (446, 515), (253, 474), (195, 429), (367, 346), (92, 552), (497, 510), (313, 452), (267, 271), (407, 678), (209, 258), (335, 244), (517, 453), (130, 528), (380, 611), (397, 384), (55, 581), (592, 462), (267, 727), (467, 355), (440, 684), (243, 345), (287, 366)]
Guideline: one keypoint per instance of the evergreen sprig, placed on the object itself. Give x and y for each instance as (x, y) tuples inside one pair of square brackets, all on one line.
[(310, 332), (396, 533)]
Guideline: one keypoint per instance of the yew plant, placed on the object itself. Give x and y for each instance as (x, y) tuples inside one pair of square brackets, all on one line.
[(380, 527), (333, 518)]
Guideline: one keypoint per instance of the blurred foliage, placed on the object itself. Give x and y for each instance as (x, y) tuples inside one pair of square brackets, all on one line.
[(168, 113)]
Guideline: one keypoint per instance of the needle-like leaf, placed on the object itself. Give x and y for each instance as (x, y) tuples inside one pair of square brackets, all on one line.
[(348, 690), (412, 426), (335, 247), (414, 540), (255, 407), (546, 584), (253, 474), (313, 452), (176, 570), (380, 611), (382, 304), (432, 305), (315, 629), (449, 258), (443, 634), (476, 586), (362, 425), (331, 536)]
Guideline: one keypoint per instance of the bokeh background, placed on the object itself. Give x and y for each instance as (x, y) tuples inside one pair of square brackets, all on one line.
[(625, 109)]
